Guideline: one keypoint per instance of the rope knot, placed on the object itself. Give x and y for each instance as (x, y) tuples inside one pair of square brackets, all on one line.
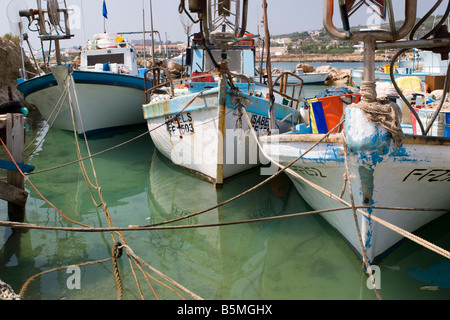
[(117, 250)]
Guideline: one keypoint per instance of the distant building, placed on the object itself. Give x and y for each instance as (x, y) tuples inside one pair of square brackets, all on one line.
[(71, 52), (359, 47), (278, 51), (172, 49), (282, 41), (314, 33)]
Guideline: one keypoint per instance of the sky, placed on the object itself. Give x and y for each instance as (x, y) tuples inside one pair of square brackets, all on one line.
[(285, 16)]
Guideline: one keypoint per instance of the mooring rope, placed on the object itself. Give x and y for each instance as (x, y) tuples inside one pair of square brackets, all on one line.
[(158, 226), (116, 254), (32, 185), (176, 284), (355, 219), (386, 224), (34, 277), (57, 107)]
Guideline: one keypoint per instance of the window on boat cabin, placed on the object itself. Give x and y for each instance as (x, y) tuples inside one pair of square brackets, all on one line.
[(104, 58), (234, 60)]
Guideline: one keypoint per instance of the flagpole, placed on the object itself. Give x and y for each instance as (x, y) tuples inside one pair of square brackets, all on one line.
[(105, 15)]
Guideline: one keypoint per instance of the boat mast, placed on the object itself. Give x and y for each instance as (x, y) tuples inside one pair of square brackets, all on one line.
[(153, 38), (143, 33), (269, 68)]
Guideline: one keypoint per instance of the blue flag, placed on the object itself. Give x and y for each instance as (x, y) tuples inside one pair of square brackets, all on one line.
[(105, 11)]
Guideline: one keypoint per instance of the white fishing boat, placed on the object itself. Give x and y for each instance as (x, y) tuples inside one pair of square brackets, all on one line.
[(105, 92), (200, 125), (307, 77), (386, 184), (430, 64)]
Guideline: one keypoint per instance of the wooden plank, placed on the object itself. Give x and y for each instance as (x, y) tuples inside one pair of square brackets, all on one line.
[(2, 121), (15, 142), (13, 194), (9, 165)]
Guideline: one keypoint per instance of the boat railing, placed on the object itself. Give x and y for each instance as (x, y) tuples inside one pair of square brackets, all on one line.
[(106, 45), (283, 78), (157, 81)]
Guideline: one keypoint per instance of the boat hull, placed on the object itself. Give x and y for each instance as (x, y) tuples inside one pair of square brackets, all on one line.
[(196, 142), (98, 100), (308, 78), (383, 76), (416, 175)]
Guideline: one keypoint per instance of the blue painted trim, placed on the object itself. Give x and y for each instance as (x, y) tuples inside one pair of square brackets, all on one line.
[(9, 165), (109, 79), (28, 87), (258, 106), (33, 85)]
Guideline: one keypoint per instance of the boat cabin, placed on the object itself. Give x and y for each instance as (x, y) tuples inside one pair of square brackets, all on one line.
[(108, 52), (241, 59)]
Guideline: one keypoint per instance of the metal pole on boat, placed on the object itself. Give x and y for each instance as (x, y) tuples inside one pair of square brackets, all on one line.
[(369, 60), (153, 37), (143, 32), (269, 68), (222, 100), (58, 52), (24, 71)]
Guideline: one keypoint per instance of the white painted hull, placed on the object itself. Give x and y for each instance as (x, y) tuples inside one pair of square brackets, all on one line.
[(93, 105), (196, 147), (416, 175), (382, 76), (308, 78)]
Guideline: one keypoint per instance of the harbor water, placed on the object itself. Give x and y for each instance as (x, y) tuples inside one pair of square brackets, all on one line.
[(283, 259)]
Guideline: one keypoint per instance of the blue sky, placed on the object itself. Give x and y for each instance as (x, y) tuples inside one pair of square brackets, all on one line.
[(285, 16)]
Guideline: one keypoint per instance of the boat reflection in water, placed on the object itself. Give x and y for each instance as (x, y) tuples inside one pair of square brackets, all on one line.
[(243, 261)]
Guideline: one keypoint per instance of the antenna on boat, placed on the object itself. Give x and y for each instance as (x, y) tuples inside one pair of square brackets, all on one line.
[(48, 23), (223, 22), (16, 24), (153, 37)]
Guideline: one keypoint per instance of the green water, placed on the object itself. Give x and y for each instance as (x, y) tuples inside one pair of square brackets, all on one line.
[(295, 258)]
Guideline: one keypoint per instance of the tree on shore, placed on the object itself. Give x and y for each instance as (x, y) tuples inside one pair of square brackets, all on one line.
[(13, 38)]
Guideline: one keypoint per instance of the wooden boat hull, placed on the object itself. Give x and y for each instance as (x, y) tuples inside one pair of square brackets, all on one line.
[(195, 140), (416, 175)]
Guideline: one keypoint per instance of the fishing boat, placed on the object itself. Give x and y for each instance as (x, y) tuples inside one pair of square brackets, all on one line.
[(105, 92), (429, 64), (200, 125), (373, 184), (307, 77)]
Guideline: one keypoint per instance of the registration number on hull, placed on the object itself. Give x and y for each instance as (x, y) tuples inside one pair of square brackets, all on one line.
[(181, 124)]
